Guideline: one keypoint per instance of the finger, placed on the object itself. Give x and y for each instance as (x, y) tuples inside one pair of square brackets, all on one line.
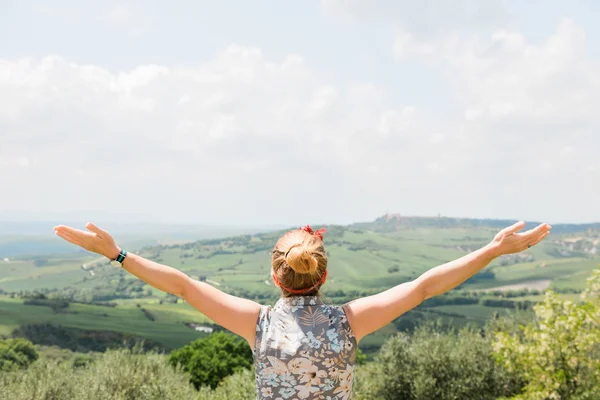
[(540, 238), (69, 237), (72, 231), (60, 227), (76, 234), (535, 239), (514, 228), (539, 230), (100, 232)]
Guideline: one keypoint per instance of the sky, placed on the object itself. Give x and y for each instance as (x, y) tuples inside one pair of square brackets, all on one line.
[(282, 112)]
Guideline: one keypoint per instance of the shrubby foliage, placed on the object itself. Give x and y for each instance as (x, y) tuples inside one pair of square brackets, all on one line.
[(433, 364), (16, 354), (125, 374), (523, 305), (558, 354), (213, 358), (361, 358), (81, 340), (108, 286)]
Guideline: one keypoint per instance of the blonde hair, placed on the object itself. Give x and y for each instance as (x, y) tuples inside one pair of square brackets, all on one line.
[(299, 262)]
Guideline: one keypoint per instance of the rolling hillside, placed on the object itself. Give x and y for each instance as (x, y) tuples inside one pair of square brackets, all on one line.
[(373, 256), (364, 258)]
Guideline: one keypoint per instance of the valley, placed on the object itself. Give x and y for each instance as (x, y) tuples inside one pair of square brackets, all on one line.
[(364, 258)]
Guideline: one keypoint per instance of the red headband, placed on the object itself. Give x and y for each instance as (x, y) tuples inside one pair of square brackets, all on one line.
[(300, 291), (319, 233)]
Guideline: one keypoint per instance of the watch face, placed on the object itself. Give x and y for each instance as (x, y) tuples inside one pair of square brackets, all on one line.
[(115, 263)]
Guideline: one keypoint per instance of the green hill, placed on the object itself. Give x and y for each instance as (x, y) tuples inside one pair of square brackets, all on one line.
[(364, 258), (370, 257)]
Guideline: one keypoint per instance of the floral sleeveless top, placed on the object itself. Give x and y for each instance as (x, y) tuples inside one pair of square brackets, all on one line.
[(304, 349)]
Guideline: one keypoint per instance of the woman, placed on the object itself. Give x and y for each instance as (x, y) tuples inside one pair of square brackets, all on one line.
[(303, 348)]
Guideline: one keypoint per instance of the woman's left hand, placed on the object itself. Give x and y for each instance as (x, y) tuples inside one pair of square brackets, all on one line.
[(509, 241), (97, 241)]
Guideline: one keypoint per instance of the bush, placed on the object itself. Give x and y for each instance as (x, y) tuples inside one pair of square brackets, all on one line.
[(54, 304), (148, 314), (368, 382), (16, 354), (521, 304), (361, 358), (118, 375), (239, 386), (80, 340), (430, 364), (449, 300), (213, 358), (558, 354)]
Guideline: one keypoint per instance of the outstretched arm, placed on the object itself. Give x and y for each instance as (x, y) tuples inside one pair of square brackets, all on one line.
[(234, 313), (368, 314)]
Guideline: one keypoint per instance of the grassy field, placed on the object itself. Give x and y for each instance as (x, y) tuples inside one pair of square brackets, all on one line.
[(168, 328), (474, 312), (364, 258)]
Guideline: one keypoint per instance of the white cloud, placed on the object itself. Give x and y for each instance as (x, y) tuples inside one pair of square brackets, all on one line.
[(240, 122), (527, 123), (244, 137), (532, 105), (504, 77)]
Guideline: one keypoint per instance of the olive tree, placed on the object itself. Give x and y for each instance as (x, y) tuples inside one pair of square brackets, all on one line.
[(558, 354)]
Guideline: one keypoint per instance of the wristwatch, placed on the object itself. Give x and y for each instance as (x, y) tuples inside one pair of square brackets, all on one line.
[(118, 262)]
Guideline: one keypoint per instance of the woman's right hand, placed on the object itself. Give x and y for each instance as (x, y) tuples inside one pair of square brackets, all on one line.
[(97, 241), (510, 241)]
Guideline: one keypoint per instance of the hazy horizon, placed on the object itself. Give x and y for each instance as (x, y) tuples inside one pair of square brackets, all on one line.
[(140, 220)]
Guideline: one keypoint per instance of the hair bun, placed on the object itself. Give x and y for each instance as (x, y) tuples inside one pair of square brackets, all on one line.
[(300, 259)]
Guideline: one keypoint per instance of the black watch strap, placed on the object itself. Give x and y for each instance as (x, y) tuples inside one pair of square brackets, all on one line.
[(121, 256)]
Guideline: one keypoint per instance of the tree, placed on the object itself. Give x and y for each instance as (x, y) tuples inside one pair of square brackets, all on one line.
[(117, 374), (213, 358), (558, 354), (435, 364), (16, 354), (361, 358), (394, 268)]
